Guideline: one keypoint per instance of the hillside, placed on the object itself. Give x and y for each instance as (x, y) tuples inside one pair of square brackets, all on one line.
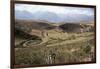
[(76, 27), (31, 24), (36, 42)]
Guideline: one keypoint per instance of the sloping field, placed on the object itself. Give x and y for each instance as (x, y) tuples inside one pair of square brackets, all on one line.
[(57, 47)]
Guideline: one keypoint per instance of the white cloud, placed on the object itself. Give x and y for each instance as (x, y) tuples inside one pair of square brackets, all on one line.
[(55, 9), (34, 8)]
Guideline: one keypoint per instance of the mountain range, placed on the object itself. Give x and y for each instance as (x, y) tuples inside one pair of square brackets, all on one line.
[(53, 17)]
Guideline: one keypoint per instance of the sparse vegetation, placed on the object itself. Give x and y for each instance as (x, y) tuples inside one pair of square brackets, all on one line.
[(56, 47)]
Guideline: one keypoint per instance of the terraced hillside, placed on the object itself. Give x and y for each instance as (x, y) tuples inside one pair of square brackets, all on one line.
[(55, 46)]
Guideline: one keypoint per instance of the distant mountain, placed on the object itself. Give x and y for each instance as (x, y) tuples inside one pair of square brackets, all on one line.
[(53, 17), (48, 16), (23, 15), (43, 16), (74, 18)]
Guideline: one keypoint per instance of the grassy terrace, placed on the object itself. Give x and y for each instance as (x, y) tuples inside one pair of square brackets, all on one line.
[(58, 47)]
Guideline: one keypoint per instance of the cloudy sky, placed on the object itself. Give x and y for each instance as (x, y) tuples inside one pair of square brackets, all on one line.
[(53, 13)]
